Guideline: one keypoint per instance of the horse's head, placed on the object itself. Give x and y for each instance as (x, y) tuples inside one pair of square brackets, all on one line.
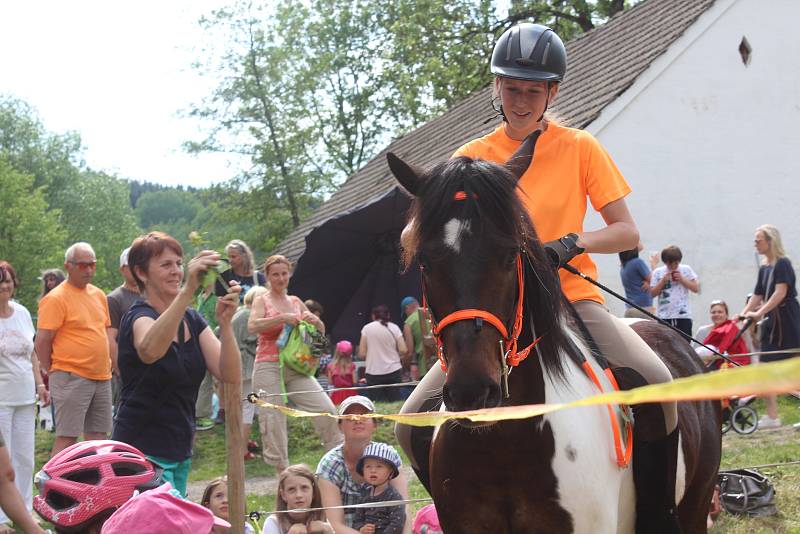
[(467, 229)]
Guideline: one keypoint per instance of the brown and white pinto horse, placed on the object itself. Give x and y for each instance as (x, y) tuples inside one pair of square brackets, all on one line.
[(551, 474)]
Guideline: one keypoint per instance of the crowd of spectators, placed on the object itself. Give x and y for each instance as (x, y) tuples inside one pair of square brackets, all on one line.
[(151, 351)]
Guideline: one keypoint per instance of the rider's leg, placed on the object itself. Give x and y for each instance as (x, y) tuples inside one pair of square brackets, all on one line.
[(416, 441), (622, 347), (655, 458)]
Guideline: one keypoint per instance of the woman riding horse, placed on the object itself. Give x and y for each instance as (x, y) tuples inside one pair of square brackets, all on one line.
[(529, 62)]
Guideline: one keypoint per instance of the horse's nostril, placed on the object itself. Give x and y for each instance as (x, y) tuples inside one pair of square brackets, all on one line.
[(473, 396)]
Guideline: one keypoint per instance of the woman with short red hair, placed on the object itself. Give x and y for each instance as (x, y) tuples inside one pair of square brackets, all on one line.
[(165, 348)]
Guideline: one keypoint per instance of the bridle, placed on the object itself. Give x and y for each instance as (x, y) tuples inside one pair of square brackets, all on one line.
[(510, 357)]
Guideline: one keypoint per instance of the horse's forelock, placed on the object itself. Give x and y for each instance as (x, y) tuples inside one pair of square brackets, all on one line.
[(490, 195)]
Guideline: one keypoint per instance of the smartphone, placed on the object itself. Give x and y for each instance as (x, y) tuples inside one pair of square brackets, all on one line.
[(219, 289)]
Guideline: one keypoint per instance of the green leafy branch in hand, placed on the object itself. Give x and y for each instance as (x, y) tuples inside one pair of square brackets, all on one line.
[(197, 239)]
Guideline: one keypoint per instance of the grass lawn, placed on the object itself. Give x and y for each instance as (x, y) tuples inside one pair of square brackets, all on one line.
[(762, 447)]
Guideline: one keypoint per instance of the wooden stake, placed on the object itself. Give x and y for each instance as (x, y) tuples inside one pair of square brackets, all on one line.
[(234, 443)]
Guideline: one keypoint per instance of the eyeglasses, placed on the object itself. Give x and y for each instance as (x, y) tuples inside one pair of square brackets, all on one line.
[(84, 264)]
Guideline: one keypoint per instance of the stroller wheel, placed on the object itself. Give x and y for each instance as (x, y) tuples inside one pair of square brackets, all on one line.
[(744, 420), (726, 425)]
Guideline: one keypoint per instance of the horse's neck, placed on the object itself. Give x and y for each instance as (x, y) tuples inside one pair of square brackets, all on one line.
[(535, 384)]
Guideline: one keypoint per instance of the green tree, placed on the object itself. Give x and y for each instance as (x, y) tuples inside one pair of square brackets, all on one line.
[(158, 207), (310, 89), (96, 209), (53, 160), (254, 108), (31, 237)]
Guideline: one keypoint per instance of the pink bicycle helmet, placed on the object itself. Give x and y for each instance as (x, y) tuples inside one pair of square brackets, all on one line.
[(90, 478)]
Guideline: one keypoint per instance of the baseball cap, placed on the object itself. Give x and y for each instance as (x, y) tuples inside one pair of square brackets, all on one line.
[(123, 258), (345, 347), (406, 301), (159, 511), (356, 399)]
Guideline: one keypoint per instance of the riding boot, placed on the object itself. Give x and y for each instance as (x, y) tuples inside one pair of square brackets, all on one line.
[(654, 467)]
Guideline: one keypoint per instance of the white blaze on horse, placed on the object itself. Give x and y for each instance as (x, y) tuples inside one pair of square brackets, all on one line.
[(508, 337)]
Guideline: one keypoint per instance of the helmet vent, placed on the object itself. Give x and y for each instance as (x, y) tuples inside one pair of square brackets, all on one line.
[(84, 476), (745, 50), (546, 51), (124, 469), (59, 501)]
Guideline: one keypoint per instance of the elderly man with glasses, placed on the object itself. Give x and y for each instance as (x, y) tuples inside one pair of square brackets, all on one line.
[(72, 342)]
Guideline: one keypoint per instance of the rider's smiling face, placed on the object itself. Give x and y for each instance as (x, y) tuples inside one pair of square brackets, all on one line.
[(523, 103)]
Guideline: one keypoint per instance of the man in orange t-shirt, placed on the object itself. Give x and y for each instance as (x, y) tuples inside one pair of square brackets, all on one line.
[(72, 342)]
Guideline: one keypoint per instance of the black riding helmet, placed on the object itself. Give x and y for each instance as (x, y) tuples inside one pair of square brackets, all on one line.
[(530, 52)]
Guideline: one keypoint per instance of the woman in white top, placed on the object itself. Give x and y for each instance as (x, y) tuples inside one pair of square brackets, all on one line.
[(20, 381), (381, 345)]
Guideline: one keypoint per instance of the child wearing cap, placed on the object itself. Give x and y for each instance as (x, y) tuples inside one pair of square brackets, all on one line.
[(379, 464), (342, 372)]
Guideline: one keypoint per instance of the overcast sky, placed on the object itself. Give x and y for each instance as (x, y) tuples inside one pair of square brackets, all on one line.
[(117, 73)]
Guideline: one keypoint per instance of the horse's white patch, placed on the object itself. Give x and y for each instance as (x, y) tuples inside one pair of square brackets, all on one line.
[(591, 487), (680, 474), (453, 230)]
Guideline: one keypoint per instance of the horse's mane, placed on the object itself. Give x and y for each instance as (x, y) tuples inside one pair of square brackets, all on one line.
[(491, 197)]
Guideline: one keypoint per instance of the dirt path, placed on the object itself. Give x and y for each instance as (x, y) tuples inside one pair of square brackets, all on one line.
[(254, 485)]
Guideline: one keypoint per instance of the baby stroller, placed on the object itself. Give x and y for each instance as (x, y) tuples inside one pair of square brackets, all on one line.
[(739, 415), (736, 411)]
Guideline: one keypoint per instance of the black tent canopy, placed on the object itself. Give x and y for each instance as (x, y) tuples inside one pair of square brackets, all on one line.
[(352, 263)]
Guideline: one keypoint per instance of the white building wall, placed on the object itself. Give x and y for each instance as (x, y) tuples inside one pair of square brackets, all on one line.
[(711, 147)]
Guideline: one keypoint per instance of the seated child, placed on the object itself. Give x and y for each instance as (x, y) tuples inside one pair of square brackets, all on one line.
[(379, 463), (215, 498), (297, 489)]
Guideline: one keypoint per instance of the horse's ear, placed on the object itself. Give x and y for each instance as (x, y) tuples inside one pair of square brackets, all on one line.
[(408, 176), (520, 160)]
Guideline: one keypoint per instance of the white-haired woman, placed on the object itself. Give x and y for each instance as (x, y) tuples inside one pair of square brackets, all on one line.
[(774, 300), (243, 268)]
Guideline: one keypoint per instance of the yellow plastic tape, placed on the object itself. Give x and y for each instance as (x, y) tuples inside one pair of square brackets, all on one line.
[(767, 378)]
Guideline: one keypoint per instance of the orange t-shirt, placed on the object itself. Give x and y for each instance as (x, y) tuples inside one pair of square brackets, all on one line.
[(80, 319), (568, 166)]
